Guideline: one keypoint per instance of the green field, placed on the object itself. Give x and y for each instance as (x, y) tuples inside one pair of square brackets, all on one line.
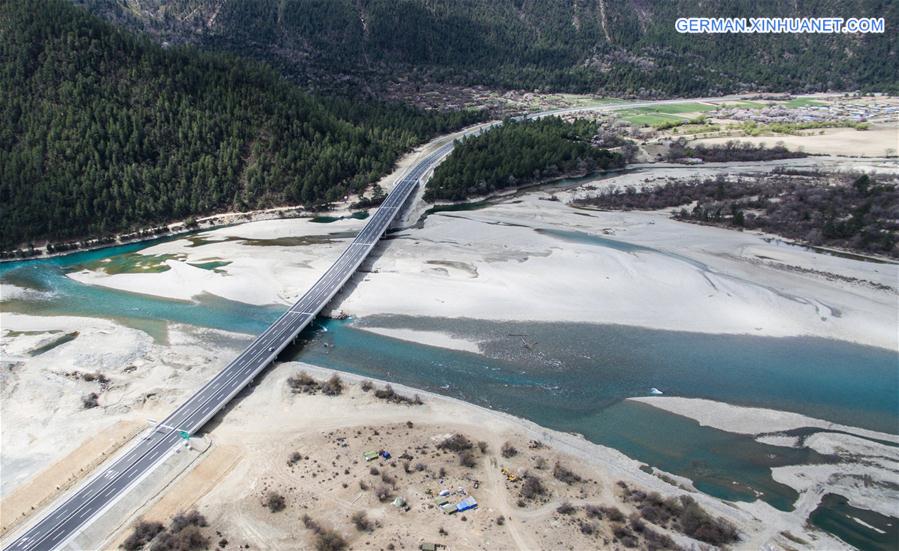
[(803, 102), (640, 118), (696, 128), (671, 108), (662, 114), (744, 105)]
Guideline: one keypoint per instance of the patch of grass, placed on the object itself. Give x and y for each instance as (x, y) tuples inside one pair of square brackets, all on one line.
[(794, 128), (213, 265), (690, 128), (673, 108), (743, 105), (637, 118), (803, 102), (130, 263)]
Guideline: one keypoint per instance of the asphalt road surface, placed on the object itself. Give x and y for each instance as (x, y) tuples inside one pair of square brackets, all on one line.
[(103, 489)]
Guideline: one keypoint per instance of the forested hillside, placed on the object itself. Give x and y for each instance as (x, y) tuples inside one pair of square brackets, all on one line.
[(519, 153), (103, 131), (614, 47)]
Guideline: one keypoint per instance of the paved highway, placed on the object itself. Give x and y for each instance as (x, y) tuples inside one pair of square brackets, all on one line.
[(102, 490)]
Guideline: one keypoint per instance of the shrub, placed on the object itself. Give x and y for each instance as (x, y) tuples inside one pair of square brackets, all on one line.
[(294, 458), (653, 507), (456, 443), (185, 539), (508, 450), (382, 492), (387, 479), (466, 459), (593, 511), (333, 386), (361, 522), (275, 502), (500, 520), (310, 523), (636, 523), (366, 386), (302, 383), (532, 487), (192, 518), (565, 508), (90, 400), (698, 524), (540, 462), (613, 514), (388, 394), (657, 540), (565, 475), (329, 540), (482, 446), (588, 528), (143, 533)]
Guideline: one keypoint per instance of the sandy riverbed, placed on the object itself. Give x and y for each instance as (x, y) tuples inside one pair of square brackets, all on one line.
[(249, 453), (865, 475), (509, 262), (43, 417)]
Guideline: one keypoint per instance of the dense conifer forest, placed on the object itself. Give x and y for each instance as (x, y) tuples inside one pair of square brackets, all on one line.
[(619, 47), (104, 131), (519, 153)]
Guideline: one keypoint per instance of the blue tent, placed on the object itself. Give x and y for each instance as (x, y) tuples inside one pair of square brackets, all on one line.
[(466, 504)]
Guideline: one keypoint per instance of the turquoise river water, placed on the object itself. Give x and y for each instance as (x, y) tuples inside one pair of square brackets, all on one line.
[(568, 377)]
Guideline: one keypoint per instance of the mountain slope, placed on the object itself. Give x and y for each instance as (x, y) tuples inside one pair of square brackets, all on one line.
[(102, 131), (620, 47)]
